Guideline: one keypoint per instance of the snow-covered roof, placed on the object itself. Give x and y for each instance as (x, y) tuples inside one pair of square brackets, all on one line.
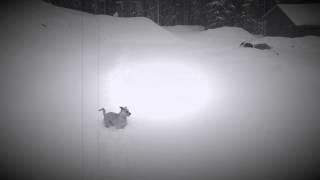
[(302, 14)]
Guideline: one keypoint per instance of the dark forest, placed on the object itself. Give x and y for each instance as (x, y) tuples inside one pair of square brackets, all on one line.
[(208, 13)]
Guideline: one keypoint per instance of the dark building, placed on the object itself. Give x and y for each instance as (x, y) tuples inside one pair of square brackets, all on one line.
[(292, 20)]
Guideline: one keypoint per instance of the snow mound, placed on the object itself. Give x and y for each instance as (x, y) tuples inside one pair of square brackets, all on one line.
[(294, 46), (133, 30), (222, 38), (229, 33)]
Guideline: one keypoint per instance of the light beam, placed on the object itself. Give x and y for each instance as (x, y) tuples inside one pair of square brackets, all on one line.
[(159, 90)]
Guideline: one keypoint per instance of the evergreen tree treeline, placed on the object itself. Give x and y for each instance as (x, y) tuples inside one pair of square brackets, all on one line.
[(209, 13)]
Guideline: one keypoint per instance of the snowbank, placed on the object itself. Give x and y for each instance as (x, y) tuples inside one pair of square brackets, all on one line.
[(222, 38), (228, 35), (133, 30)]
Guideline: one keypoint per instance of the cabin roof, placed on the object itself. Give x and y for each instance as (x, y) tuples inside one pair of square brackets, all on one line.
[(300, 14)]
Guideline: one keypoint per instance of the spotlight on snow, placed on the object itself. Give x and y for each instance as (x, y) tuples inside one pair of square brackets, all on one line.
[(159, 90)]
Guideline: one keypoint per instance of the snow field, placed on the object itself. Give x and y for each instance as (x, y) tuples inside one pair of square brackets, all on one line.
[(262, 117)]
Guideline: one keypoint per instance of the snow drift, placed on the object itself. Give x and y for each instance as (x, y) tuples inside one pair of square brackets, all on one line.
[(133, 30)]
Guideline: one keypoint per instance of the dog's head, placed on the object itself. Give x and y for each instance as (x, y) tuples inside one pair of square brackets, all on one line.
[(125, 110)]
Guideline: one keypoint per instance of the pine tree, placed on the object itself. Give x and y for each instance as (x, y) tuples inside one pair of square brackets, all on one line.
[(248, 17), (168, 13), (195, 12), (219, 13), (150, 9), (239, 13)]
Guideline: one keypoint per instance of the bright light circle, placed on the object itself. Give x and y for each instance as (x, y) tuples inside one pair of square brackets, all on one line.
[(158, 90)]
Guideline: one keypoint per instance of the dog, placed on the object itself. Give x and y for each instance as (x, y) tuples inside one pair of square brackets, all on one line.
[(118, 120)]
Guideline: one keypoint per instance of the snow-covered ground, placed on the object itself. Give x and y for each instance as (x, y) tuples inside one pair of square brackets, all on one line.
[(261, 117)]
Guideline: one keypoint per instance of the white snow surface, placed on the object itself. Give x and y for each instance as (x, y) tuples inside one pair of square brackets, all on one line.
[(54, 66), (132, 30)]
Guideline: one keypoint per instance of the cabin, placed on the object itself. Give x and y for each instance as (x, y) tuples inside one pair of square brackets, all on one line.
[(292, 20)]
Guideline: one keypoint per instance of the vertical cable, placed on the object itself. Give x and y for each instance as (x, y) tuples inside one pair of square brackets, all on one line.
[(158, 11), (263, 19), (81, 101), (98, 96)]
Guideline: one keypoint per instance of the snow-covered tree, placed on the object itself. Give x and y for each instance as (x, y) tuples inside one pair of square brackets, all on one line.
[(210, 13), (150, 9), (219, 13), (239, 13), (195, 12), (249, 17), (168, 13), (131, 8)]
